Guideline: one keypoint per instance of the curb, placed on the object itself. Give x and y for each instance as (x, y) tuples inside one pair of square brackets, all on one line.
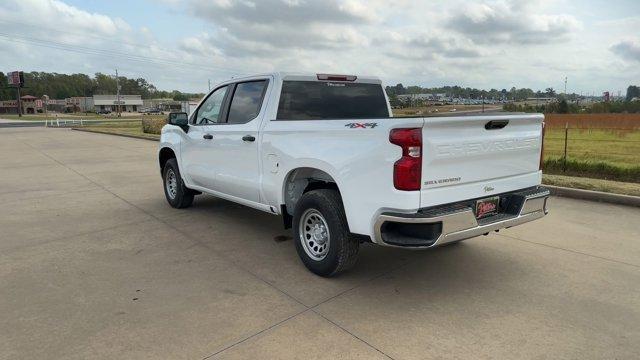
[(594, 195), (116, 134)]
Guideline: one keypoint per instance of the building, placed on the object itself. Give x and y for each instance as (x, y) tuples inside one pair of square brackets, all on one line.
[(31, 104), (79, 104), (167, 104), (9, 107), (128, 103), (56, 105)]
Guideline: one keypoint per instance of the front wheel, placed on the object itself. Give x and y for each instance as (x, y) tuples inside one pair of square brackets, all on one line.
[(322, 237), (178, 195)]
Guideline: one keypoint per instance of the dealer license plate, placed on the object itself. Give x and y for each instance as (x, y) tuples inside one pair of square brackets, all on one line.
[(487, 207)]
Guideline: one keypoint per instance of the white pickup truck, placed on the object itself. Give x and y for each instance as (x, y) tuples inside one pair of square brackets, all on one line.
[(324, 152)]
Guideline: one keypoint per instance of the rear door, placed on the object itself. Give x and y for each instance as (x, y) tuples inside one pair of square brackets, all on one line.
[(234, 155), (473, 156)]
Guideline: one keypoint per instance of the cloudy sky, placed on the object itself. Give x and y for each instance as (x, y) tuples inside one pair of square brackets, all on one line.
[(181, 44)]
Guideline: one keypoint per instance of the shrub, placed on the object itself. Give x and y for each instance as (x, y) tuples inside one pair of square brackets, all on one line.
[(153, 126)]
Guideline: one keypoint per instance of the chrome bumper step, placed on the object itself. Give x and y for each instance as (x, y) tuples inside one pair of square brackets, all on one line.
[(453, 222)]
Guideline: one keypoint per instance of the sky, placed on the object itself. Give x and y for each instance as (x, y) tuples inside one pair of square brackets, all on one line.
[(184, 44)]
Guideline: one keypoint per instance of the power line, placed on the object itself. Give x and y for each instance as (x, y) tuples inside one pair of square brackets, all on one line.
[(108, 53), (104, 38)]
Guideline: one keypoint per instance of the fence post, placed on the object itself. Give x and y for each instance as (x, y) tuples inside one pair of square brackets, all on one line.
[(564, 158)]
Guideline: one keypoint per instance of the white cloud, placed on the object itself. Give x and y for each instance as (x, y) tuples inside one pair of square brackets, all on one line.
[(516, 22), (492, 43), (628, 50)]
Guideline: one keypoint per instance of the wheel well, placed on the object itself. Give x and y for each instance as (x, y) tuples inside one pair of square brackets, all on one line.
[(300, 181), (164, 156)]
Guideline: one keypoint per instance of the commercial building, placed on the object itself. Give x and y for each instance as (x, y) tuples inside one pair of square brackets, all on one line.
[(162, 104), (79, 104), (128, 103), (9, 107), (30, 105)]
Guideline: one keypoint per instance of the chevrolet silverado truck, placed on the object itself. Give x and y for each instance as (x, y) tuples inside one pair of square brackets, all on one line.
[(324, 152)]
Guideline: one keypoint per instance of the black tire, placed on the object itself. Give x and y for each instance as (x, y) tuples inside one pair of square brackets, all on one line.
[(343, 247), (183, 196)]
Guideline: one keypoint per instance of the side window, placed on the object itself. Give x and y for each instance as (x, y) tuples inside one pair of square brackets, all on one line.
[(246, 102), (211, 109)]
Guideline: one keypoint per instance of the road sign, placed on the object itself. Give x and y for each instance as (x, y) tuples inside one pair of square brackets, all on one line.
[(15, 78)]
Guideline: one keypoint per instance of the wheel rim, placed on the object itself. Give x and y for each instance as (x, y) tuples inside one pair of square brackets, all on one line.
[(171, 183), (314, 234)]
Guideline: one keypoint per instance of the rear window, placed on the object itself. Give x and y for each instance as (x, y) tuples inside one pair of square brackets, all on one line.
[(318, 100), (246, 101)]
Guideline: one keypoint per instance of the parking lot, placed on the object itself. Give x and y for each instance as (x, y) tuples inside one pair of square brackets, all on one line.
[(95, 264)]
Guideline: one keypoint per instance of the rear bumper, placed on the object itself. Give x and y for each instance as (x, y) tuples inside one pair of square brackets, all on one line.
[(452, 222)]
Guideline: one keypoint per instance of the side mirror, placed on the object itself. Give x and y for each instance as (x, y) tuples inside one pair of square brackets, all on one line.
[(178, 119)]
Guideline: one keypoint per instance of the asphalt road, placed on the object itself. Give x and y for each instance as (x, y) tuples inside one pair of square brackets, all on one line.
[(95, 264)]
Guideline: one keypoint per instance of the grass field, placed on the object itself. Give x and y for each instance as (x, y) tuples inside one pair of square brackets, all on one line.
[(604, 146), (120, 127)]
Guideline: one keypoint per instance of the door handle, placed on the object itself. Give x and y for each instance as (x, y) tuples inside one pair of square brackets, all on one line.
[(496, 124), (248, 138), (207, 136)]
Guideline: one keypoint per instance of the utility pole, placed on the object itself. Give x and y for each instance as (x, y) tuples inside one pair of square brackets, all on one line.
[(19, 102), (117, 94), (209, 84), (565, 86)]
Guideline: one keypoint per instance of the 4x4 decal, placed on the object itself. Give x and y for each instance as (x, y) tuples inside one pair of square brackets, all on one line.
[(361, 125)]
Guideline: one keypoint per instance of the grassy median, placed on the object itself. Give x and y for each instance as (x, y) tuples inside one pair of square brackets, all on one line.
[(119, 127)]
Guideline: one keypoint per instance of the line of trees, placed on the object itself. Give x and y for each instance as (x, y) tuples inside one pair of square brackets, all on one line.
[(470, 93), (61, 86), (565, 107), (633, 92)]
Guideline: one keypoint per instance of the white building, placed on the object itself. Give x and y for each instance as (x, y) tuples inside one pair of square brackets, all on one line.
[(128, 103)]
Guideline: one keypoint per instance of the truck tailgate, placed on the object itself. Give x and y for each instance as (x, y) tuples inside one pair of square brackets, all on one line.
[(468, 157)]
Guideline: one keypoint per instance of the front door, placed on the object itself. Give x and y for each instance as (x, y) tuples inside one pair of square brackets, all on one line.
[(197, 149)]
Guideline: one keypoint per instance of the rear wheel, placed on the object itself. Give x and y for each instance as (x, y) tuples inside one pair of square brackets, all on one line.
[(322, 237), (178, 195)]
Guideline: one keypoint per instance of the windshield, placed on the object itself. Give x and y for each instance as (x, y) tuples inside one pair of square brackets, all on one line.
[(319, 100)]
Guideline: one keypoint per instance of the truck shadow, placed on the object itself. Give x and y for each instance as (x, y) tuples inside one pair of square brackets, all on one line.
[(246, 236)]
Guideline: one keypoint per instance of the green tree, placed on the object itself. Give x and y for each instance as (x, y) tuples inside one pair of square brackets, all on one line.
[(633, 92), (563, 107)]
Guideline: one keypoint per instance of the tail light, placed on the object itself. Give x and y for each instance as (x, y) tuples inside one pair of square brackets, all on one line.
[(407, 172), (542, 148), (331, 77)]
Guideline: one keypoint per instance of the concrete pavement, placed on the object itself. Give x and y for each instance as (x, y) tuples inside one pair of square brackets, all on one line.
[(95, 264)]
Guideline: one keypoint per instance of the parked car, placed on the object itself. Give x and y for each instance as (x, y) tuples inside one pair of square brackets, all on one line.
[(153, 112), (103, 112), (324, 152)]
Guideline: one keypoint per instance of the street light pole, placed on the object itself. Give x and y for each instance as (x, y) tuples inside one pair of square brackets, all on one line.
[(117, 94)]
